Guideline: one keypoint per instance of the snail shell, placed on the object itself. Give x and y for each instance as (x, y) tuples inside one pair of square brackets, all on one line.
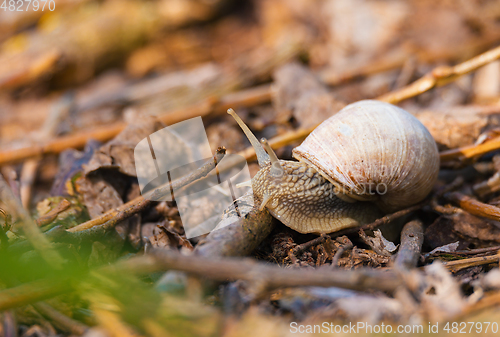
[(374, 151)]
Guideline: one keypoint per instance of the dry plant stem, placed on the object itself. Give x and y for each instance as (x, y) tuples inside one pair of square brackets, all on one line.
[(471, 151), (476, 251), (220, 269), (447, 209), (306, 245), (457, 265), (140, 202), (379, 222), (98, 231), (441, 75), (248, 97), (346, 245), (52, 215), (473, 206), (29, 228), (60, 320), (412, 238), (239, 238), (224, 269)]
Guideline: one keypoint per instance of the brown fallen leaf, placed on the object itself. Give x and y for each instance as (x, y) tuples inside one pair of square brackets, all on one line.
[(298, 92)]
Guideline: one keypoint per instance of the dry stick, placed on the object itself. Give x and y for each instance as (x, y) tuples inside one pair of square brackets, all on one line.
[(476, 251), (457, 265), (141, 202), (346, 244), (441, 75), (224, 269), (412, 238), (471, 151), (221, 269), (61, 321), (473, 206), (248, 97), (306, 245), (52, 214), (29, 228), (379, 222)]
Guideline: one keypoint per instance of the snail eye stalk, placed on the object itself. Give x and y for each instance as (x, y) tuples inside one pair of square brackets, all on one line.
[(276, 169)]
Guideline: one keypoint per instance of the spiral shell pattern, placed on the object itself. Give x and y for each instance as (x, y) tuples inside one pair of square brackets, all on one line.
[(372, 150)]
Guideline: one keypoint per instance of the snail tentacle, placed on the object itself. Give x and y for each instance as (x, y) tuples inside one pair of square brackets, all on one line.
[(276, 169), (262, 156)]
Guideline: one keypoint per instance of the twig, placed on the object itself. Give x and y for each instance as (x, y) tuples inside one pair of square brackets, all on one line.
[(210, 105), (379, 222), (62, 321), (141, 202), (346, 244), (457, 265), (52, 214), (224, 269), (470, 151), (306, 245), (29, 228), (412, 238), (221, 269), (441, 75), (476, 251), (473, 206)]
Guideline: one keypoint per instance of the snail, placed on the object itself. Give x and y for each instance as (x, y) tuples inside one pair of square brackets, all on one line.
[(370, 157)]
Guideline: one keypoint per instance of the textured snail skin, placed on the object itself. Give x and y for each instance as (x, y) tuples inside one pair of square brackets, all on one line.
[(371, 143), (305, 201)]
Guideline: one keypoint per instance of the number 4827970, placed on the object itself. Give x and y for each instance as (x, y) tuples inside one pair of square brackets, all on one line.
[(26, 5)]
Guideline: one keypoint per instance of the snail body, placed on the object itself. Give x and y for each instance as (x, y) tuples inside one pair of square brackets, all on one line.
[(370, 157)]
